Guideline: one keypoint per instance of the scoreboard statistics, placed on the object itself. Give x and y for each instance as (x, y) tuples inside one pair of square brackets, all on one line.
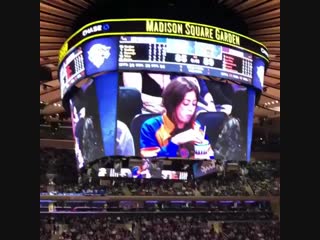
[(179, 55), (71, 70)]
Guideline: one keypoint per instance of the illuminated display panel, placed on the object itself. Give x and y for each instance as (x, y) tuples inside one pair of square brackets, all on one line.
[(151, 49), (219, 110), (163, 27), (132, 173), (93, 57), (156, 54), (184, 56), (71, 70)]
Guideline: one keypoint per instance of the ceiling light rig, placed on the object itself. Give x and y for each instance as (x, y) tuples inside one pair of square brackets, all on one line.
[(42, 105), (57, 105), (58, 117), (271, 103)]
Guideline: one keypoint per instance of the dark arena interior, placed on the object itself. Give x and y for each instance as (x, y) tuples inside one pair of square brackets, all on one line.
[(160, 120)]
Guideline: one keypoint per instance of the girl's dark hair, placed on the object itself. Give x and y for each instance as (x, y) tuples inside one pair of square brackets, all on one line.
[(90, 140), (174, 94), (78, 100)]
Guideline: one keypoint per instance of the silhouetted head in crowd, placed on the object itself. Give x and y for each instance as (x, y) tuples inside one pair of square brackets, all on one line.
[(78, 103)]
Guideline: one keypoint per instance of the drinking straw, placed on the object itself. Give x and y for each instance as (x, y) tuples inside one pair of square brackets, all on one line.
[(204, 132)]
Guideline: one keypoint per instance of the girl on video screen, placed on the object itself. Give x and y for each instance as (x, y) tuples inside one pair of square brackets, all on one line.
[(175, 133)]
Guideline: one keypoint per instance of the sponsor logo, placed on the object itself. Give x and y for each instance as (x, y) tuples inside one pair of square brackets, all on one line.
[(96, 28)]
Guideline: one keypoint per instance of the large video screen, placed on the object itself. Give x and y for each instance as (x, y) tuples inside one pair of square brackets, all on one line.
[(176, 116), (155, 115), (145, 92), (86, 124)]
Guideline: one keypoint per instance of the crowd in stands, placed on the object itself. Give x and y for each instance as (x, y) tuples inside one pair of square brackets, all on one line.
[(74, 190), (173, 227), (161, 187), (61, 162), (199, 228), (231, 185), (159, 220), (84, 228), (264, 177), (261, 178)]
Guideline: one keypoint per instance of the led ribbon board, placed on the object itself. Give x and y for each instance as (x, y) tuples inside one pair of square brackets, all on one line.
[(163, 27), (152, 45)]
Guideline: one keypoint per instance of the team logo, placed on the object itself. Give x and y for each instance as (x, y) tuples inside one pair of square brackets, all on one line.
[(98, 53), (260, 74)]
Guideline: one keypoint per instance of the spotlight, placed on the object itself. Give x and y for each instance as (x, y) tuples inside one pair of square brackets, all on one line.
[(42, 105)]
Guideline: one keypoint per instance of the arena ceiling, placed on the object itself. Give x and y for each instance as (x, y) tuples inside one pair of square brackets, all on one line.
[(59, 18)]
